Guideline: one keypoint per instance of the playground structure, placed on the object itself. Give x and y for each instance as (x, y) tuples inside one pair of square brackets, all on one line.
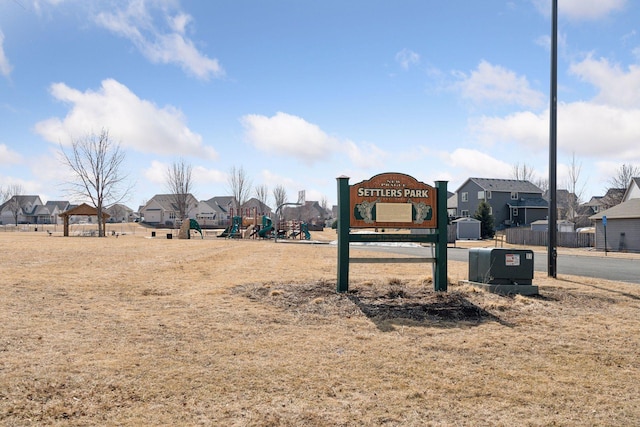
[(248, 226), (293, 229)]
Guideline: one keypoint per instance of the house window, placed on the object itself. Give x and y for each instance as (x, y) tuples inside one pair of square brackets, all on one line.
[(514, 195), (464, 213), (488, 194), (490, 210), (514, 211), (480, 195), (465, 197), (172, 215)]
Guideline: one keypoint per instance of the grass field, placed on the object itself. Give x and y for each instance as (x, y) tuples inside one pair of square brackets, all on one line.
[(136, 330)]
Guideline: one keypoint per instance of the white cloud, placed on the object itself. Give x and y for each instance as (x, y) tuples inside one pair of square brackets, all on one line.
[(407, 58), (582, 9), (526, 128), (160, 45), (586, 128), (202, 175), (5, 65), (285, 134), (137, 123), (476, 163), (288, 135), (616, 87), (157, 172), (494, 83), (273, 179), (8, 156), (365, 155)]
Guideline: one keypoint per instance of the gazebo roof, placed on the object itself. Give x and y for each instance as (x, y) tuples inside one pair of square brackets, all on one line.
[(83, 209)]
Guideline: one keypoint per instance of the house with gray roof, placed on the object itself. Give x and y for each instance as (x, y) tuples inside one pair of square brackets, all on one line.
[(120, 213), (20, 210), (162, 210), (513, 202), (622, 227), (31, 210), (622, 223)]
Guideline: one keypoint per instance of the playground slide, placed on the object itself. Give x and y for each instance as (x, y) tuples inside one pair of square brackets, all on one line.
[(267, 226), (225, 233), (304, 228), (264, 231)]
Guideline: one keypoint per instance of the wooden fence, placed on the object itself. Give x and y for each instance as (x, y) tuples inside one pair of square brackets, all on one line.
[(524, 236)]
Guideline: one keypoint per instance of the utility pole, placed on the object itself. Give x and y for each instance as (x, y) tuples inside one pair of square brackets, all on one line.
[(552, 253)]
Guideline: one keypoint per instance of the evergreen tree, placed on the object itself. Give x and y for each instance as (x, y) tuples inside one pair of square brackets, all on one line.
[(483, 214)]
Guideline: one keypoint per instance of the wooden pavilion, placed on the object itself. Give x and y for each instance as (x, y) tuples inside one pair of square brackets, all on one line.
[(86, 210)]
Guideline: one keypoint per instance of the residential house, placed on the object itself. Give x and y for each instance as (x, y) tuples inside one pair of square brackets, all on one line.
[(596, 204), (622, 227), (310, 212), (20, 210), (54, 209), (163, 210), (120, 213), (31, 210), (622, 224), (215, 211), (513, 202), (255, 206), (452, 206)]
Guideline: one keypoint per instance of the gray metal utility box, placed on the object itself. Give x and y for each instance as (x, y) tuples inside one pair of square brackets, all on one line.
[(501, 266)]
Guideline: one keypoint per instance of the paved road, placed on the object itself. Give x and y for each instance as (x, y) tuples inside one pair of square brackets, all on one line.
[(610, 268)]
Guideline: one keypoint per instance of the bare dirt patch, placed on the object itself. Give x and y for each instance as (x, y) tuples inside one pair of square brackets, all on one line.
[(384, 305)]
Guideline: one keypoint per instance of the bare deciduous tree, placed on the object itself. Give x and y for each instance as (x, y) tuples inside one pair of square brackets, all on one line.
[(97, 164), (623, 176), (324, 203), (262, 193), (179, 183), (239, 186), (620, 181), (522, 172), (542, 183), (279, 195), (575, 189)]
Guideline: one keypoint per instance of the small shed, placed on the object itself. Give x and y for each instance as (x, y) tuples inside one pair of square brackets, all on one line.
[(563, 226), (467, 229), (86, 210)]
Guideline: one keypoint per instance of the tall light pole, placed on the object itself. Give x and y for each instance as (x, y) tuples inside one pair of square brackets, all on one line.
[(552, 253)]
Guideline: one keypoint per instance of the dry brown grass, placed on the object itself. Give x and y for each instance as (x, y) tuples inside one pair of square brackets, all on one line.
[(140, 331)]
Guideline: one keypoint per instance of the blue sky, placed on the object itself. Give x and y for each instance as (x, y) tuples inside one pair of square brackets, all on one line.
[(299, 92)]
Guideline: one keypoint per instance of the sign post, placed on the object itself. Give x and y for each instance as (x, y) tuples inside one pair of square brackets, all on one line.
[(604, 226), (395, 201)]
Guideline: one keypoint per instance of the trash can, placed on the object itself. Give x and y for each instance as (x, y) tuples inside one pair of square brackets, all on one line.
[(153, 234), (169, 236)]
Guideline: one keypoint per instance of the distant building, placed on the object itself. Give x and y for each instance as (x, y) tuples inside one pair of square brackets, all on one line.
[(513, 202), (162, 210)]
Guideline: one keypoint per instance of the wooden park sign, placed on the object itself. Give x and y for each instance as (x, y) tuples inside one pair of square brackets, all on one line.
[(392, 201)]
